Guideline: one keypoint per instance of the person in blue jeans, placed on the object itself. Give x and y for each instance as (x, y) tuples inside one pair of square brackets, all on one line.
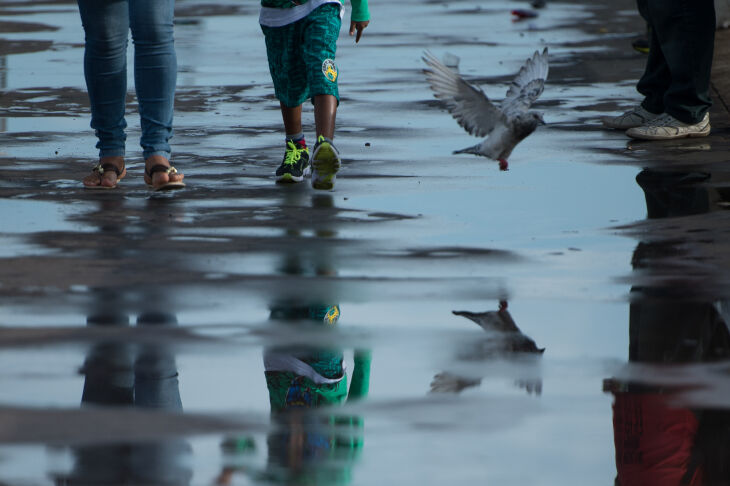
[(106, 26)]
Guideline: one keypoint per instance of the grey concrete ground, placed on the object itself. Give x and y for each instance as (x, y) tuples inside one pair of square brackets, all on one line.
[(155, 309)]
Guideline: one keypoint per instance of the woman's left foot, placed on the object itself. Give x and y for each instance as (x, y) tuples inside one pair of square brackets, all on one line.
[(160, 175)]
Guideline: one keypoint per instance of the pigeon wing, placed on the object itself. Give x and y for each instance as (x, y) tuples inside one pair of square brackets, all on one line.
[(527, 85), (469, 106)]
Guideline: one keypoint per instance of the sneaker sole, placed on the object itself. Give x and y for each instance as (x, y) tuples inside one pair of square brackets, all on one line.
[(327, 164), (642, 136)]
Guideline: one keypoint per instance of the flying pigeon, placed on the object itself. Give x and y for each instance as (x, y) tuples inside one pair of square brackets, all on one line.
[(507, 124)]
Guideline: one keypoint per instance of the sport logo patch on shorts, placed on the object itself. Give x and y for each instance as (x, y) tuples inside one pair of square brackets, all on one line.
[(330, 70)]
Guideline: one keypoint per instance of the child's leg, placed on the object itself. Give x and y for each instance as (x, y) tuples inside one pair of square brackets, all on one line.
[(325, 112), (283, 45), (319, 49), (292, 120), (295, 166)]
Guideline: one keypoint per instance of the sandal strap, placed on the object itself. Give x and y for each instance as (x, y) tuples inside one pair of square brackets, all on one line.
[(161, 168), (101, 168)]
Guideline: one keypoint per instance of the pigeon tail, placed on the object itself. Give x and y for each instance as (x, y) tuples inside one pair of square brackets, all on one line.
[(469, 150)]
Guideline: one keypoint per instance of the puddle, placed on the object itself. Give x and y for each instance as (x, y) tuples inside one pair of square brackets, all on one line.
[(242, 332)]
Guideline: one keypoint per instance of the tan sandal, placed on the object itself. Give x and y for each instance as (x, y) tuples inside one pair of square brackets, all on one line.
[(169, 185), (100, 168)]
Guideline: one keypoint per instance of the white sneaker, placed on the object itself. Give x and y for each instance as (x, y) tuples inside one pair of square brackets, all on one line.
[(635, 117), (666, 127), (325, 164)]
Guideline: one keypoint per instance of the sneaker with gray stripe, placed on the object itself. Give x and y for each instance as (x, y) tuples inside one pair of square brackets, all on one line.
[(666, 127), (635, 117)]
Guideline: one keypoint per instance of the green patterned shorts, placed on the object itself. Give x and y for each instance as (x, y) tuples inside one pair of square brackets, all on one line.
[(302, 56)]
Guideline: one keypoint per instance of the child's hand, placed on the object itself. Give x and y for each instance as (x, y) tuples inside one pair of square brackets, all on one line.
[(359, 26)]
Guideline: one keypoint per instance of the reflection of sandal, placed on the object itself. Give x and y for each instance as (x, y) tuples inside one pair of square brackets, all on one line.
[(99, 170), (169, 185)]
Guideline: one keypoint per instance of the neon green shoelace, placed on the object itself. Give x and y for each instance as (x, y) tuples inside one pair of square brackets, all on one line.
[(293, 154)]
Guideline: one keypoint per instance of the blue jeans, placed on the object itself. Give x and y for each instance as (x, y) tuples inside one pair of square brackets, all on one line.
[(106, 25)]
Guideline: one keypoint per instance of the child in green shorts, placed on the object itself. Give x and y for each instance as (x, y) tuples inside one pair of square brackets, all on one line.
[(301, 40)]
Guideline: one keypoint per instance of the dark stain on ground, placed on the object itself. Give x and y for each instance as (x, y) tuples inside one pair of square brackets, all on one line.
[(211, 10), (8, 47), (447, 252), (7, 27)]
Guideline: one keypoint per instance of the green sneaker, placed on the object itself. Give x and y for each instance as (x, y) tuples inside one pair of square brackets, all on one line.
[(325, 164), (295, 166)]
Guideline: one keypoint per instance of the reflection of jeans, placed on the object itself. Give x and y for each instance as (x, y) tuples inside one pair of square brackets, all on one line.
[(107, 24), (124, 375)]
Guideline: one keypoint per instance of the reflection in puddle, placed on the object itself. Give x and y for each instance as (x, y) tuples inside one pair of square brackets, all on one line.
[(119, 374), (3, 85), (504, 341), (311, 440), (252, 271), (672, 323), (38, 216)]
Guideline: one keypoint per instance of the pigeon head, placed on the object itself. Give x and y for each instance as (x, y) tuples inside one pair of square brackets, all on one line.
[(531, 119)]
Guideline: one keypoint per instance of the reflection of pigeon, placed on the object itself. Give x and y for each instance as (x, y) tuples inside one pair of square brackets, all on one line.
[(511, 339), (504, 340), (507, 124)]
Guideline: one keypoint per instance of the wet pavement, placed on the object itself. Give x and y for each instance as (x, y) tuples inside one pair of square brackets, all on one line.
[(136, 327)]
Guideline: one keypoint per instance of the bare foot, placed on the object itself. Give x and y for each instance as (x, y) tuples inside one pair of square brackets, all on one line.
[(159, 178), (104, 175)]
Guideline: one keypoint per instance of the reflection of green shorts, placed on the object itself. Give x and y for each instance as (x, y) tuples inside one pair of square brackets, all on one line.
[(302, 56)]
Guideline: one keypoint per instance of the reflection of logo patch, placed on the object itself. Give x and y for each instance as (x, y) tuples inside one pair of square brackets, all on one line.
[(329, 69), (298, 395), (333, 313)]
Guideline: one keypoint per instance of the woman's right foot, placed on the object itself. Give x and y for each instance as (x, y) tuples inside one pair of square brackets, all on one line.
[(106, 174)]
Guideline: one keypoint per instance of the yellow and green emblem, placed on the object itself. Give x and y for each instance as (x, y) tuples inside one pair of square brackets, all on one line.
[(330, 70)]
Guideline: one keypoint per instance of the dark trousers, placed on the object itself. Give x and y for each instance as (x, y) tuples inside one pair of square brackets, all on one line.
[(677, 75)]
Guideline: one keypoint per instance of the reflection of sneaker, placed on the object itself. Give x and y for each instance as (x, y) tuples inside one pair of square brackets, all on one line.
[(666, 127), (641, 45), (635, 117), (295, 166), (325, 164)]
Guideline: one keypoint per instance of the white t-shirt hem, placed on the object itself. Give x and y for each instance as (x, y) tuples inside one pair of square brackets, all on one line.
[(279, 17)]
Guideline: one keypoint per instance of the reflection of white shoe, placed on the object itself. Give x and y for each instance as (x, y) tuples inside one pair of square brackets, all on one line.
[(635, 117), (666, 127)]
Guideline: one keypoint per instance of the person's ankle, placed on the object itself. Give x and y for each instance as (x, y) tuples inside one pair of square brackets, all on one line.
[(153, 160), (297, 139), (116, 160)]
